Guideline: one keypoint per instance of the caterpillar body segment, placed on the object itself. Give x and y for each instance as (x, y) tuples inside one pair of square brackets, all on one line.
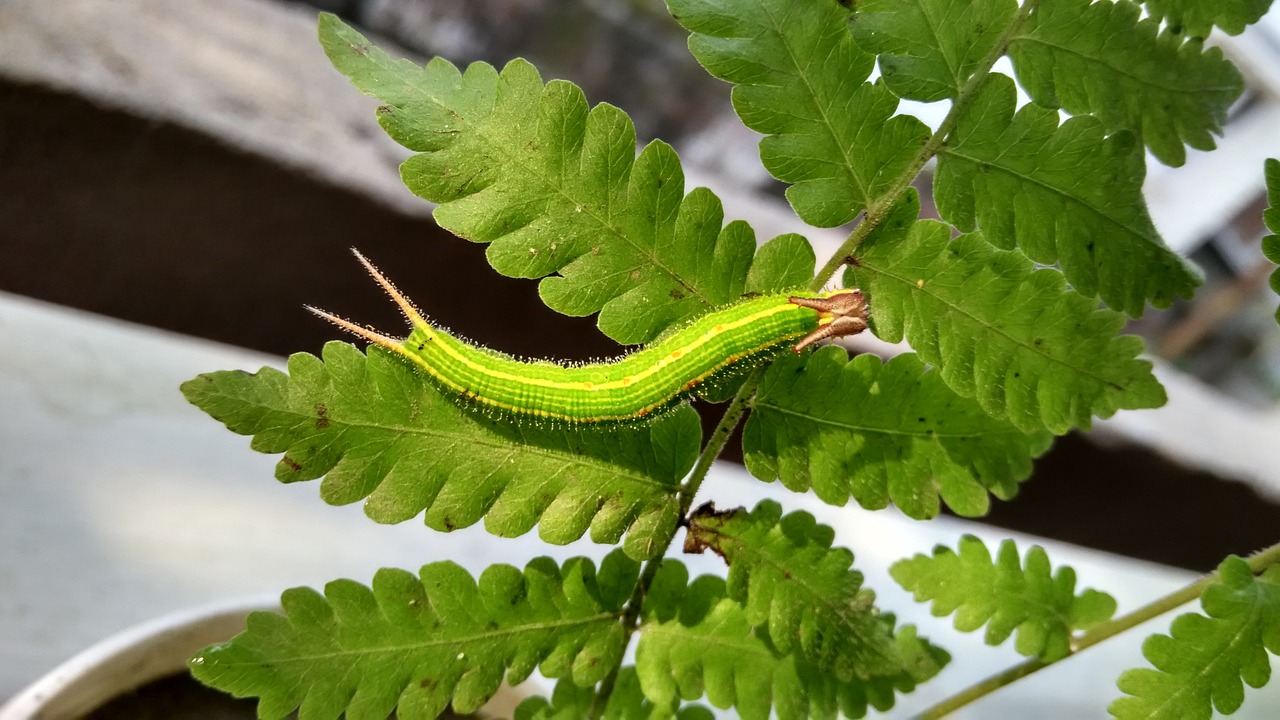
[(633, 387)]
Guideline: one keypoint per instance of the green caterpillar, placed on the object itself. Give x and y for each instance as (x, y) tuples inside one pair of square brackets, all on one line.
[(633, 387)]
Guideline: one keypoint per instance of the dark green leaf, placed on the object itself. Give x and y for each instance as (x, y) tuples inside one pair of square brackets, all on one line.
[(415, 644), (882, 432), (801, 80), (929, 48), (1201, 664), (378, 432), (697, 641), (1195, 18), (802, 590), (1066, 195), (999, 329), (1100, 58), (1002, 595)]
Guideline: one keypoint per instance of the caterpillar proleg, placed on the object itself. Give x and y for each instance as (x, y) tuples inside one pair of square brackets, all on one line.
[(632, 387)]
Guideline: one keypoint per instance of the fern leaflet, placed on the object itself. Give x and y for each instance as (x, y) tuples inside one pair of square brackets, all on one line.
[(377, 432), (1067, 195), (1005, 596), (554, 187), (416, 644), (801, 81), (998, 329), (816, 422), (1199, 666), (627, 702), (1195, 18), (1101, 58), (697, 641), (1271, 217), (928, 49), (804, 592)]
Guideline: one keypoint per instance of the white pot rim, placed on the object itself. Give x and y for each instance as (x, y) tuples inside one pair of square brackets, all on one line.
[(131, 658)]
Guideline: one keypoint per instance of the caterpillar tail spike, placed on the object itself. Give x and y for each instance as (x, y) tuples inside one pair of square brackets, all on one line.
[(635, 387)]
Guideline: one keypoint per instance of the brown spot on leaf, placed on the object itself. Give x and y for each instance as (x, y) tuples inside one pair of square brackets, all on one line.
[(291, 464), (702, 535), (322, 416)]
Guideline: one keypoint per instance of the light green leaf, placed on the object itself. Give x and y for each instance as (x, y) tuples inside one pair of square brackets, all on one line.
[(416, 644), (1067, 195), (1271, 217), (801, 81), (803, 591), (997, 328), (1201, 664), (555, 188), (378, 432), (882, 432), (1005, 596), (928, 49), (627, 702), (784, 263), (696, 641), (1195, 18), (1100, 58)]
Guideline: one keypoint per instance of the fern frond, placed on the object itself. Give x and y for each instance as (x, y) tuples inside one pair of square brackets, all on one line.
[(695, 641), (1195, 18), (801, 81), (997, 328), (1201, 664), (1005, 596), (1101, 58), (1271, 218), (376, 432), (416, 644), (803, 591), (821, 421), (554, 187), (928, 49), (627, 702), (1067, 195)]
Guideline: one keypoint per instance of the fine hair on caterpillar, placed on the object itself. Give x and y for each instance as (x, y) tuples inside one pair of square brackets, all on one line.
[(630, 388)]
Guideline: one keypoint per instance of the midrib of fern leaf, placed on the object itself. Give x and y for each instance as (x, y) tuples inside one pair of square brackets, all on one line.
[(376, 432), (416, 644), (555, 188)]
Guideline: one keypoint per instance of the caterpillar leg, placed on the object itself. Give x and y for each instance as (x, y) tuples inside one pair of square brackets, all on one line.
[(840, 314)]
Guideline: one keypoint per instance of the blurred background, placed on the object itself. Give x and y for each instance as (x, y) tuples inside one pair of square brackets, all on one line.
[(199, 168)]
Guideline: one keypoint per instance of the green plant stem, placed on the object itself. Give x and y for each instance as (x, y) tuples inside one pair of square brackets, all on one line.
[(715, 445), (876, 211), (1258, 562)]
